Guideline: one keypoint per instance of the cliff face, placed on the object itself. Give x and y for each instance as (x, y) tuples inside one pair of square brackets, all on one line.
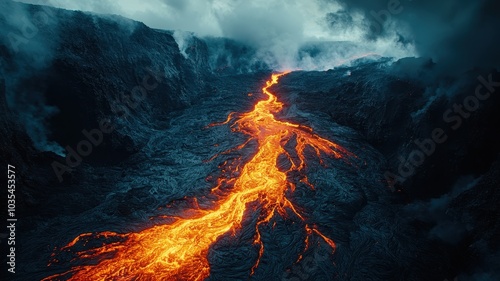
[(142, 98), (78, 69)]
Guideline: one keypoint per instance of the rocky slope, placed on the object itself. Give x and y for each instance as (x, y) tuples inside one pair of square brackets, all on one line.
[(79, 69)]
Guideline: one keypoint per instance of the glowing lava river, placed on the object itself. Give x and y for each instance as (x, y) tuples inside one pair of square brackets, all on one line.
[(178, 250)]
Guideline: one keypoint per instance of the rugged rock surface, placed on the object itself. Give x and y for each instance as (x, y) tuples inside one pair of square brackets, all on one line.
[(79, 69)]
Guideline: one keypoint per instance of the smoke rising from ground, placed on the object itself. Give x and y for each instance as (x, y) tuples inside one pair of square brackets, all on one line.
[(27, 49), (278, 30), (458, 35)]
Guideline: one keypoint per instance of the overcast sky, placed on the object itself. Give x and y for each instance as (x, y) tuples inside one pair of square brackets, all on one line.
[(216, 17), (458, 33)]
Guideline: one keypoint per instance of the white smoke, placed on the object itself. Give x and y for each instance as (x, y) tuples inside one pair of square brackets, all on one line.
[(277, 29)]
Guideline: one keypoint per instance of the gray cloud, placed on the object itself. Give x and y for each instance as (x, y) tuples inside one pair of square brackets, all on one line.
[(277, 29), (456, 34), (447, 227)]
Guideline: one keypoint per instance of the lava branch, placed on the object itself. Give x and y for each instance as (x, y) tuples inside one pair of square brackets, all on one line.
[(178, 251)]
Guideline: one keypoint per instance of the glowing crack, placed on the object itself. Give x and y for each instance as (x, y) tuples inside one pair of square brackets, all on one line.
[(178, 250)]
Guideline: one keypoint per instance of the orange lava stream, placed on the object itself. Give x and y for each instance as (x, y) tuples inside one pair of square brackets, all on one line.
[(178, 251)]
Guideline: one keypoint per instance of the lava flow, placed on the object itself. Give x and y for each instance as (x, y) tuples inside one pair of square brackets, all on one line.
[(178, 251)]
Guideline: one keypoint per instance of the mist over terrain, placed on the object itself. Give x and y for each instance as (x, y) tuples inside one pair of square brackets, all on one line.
[(410, 87), (277, 30), (459, 35)]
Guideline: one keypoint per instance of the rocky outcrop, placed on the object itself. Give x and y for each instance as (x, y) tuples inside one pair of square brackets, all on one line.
[(79, 70)]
